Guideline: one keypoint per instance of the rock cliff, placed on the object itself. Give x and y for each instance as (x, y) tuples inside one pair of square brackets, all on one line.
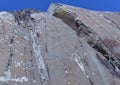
[(64, 46)]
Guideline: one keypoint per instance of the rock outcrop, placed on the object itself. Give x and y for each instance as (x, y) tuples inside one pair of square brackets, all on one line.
[(64, 46)]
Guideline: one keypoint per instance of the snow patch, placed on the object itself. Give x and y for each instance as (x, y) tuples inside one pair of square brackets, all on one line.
[(21, 54), (93, 73), (34, 81), (18, 64), (38, 16), (9, 78), (109, 21), (77, 59), (7, 17), (25, 37), (38, 57)]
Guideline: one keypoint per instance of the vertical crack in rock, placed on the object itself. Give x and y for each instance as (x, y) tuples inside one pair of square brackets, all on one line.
[(91, 37), (24, 18), (26, 25), (8, 71), (8, 75), (32, 70), (37, 53), (39, 58)]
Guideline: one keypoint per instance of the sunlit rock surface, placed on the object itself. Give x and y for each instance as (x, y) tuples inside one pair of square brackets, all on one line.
[(64, 46)]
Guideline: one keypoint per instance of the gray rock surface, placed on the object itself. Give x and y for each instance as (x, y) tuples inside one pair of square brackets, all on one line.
[(64, 46)]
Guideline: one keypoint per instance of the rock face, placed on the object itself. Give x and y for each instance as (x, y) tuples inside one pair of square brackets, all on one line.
[(64, 46)]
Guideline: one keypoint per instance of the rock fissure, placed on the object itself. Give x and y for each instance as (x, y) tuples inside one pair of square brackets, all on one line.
[(64, 46), (91, 37)]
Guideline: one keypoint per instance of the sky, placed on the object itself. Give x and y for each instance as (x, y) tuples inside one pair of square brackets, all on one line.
[(42, 5)]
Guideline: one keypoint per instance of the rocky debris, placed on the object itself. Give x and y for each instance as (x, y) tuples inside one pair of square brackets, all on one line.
[(64, 46)]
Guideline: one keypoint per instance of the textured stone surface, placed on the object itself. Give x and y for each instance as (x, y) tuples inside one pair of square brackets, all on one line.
[(64, 46)]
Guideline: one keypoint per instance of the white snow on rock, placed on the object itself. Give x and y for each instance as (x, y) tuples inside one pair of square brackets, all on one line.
[(38, 57), (80, 64), (38, 16), (18, 64), (6, 17), (9, 78)]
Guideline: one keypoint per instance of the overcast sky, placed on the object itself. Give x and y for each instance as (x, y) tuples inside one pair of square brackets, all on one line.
[(100, 5)]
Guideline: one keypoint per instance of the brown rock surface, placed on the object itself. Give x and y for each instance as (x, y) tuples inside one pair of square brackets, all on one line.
[(64, 46)]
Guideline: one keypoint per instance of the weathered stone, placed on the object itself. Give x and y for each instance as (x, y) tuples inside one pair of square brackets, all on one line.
[(64, 46)]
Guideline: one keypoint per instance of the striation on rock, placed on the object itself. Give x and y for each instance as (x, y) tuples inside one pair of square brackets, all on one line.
[(64, 46)]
